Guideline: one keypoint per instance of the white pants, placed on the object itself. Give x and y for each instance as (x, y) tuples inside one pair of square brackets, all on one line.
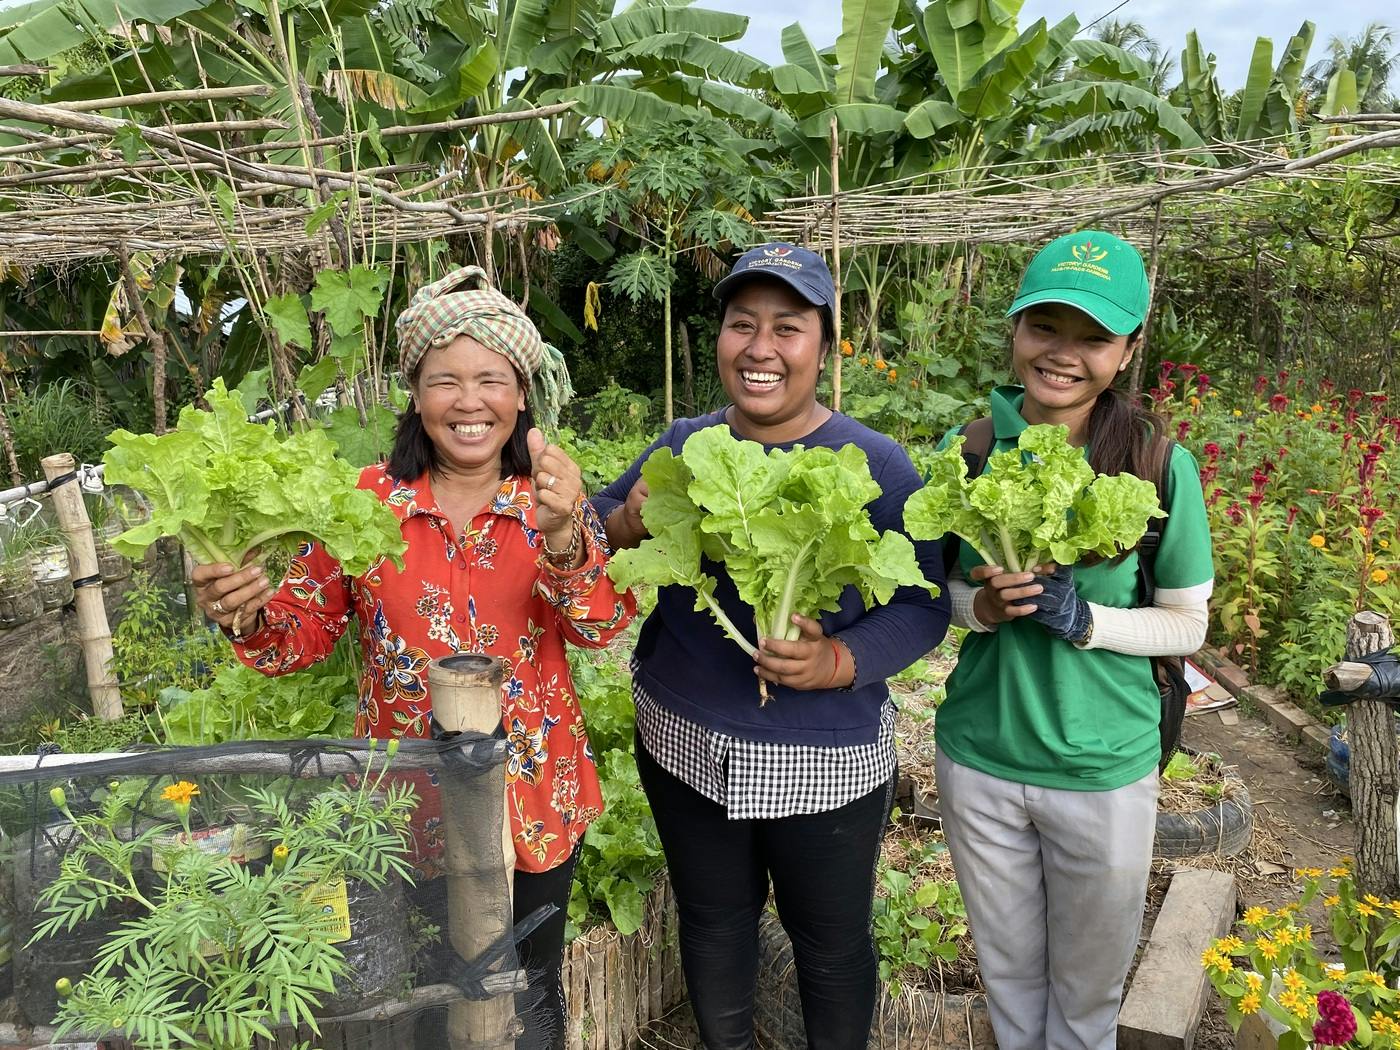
[(1054, 882)]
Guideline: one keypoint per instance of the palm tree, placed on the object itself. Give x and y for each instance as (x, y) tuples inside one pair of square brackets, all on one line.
[(1372, 56), (1132, 36)]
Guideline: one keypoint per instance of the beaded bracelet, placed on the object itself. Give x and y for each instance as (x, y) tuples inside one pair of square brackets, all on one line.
[(565, 558)]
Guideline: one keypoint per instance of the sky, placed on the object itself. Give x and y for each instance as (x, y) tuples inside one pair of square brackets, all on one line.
[(1226, 27)]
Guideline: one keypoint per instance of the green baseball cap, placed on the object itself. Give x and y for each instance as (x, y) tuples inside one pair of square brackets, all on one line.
[(1092, 271)]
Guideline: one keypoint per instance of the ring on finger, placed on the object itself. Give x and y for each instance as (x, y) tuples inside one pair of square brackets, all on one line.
[(219, 606), (550, 483)]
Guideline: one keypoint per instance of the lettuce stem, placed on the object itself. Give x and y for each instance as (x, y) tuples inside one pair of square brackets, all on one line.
[(205, 549), (782, 626), (728, 625)]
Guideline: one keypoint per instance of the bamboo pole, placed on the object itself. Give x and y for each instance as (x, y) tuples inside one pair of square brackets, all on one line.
[(1375, 759), (93, 632), (155, 338), (836, 263), (146, 98), (466, 692)]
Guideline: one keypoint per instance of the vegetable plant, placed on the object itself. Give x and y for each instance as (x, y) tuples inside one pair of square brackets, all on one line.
[(790, 528), (1037, 503), (227, 488), (218, 952)]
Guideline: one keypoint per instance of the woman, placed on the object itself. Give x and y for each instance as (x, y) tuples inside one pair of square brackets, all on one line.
[(504, 557), (797, 791), (1048, 740)]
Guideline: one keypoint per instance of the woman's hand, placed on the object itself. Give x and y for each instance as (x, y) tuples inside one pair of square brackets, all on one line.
[(232, 597), (624, 525), (558, 489), (997, 599), (813, 661)]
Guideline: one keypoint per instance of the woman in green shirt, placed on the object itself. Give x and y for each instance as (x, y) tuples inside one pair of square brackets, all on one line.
[(1048, 741)]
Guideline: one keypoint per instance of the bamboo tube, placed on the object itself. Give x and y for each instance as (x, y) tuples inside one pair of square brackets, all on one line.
[(93, 631), (466, 692)]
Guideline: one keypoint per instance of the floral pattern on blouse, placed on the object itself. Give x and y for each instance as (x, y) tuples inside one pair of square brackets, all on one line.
[(490, 591)]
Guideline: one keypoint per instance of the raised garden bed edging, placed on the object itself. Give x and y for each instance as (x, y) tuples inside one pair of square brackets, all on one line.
[(616, 985), (1280, 712)]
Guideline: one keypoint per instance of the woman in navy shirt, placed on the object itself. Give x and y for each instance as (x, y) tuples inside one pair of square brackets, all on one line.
[(797, 791)]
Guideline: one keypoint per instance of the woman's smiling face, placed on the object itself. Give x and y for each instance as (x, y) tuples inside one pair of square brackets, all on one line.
[(1064, 358), (769, 355)]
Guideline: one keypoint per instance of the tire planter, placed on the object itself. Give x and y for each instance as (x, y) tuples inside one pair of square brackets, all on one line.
[(914, 1021), (1223, 828)]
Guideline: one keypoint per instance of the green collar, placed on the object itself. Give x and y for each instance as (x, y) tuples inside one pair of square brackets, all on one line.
[(1007, 421)]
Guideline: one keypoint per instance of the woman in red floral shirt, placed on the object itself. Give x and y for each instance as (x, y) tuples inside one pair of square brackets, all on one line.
[(504, 557)]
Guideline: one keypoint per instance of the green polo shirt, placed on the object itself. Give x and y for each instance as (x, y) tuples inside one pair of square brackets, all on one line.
[(1028, 707)]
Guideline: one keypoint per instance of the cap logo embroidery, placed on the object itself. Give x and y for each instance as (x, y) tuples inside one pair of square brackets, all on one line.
[(1089, 252), (1087, 256), (774, 257), (777, 252)]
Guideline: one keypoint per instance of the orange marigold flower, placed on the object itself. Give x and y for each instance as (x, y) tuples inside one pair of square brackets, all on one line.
[(880, 364), (1319, 541), (865, 359), (892, 376), (180, 792), (847, 350), (1379, 576)]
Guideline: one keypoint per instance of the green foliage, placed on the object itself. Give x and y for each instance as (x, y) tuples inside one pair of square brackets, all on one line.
[(918, 918), (621, 856), (251, 943), (156, 648), (86, 735), (58, 417), (244, 704), (791, 529), (1037, 503), (228, 487)]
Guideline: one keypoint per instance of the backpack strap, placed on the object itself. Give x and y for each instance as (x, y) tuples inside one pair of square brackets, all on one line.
[(978, 438), (1163, 450)]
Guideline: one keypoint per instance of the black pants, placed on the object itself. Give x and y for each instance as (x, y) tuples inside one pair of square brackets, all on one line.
[(542, 954), (822, 867)]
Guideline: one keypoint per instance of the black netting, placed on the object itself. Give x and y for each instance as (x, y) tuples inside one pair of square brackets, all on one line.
[(213, 896)]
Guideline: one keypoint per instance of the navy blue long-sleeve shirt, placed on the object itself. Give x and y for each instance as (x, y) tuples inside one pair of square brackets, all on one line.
[(687, 663)]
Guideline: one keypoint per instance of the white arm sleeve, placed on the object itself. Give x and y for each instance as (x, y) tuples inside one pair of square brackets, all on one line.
[(1168, 627), (961, 594)]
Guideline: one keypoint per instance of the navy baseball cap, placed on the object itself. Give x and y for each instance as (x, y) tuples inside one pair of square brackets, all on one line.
[(801, 269)]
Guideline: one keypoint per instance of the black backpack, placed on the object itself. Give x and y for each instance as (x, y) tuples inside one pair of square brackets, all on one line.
[(1170, 671)]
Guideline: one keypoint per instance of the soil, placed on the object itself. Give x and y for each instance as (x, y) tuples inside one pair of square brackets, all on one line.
[(1301, 820)]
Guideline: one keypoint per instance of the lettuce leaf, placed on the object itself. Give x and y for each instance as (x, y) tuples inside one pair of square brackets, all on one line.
[(1037, 503), (225, 486), (790, 528)]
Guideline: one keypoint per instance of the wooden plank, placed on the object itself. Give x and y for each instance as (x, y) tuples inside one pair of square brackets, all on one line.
[(577, 997), (612, 979), (626, 1004), (1254, 1034), (1163, 1007), (597, 994)]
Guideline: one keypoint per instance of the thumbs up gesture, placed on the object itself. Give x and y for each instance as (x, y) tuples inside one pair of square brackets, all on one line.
[(558, 488)]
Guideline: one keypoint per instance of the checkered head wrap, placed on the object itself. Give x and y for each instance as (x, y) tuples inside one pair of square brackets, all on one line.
[(442, 311)]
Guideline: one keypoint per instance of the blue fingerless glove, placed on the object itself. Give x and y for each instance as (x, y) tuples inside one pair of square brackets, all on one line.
[(1059, 609)]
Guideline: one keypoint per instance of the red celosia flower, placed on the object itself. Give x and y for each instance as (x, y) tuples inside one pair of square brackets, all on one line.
[(1212, 449), (1169, 386), (1187, 370), (1292, 515), (1261, 383), (1209, 474), (1379, 399), (1333, 427), (1255, 499), (1354, 395), (1283, 377), (1165, 369), (1260, 478), (1336, 1024), (1215, 495), (1283, 451), (1202, 381), (1370, 515), (1235, 513), (1278, 402), (1327, 386), (1240, 440), (1182, 429)]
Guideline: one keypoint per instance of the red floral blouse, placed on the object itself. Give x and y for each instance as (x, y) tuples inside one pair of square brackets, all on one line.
[(491, 591)]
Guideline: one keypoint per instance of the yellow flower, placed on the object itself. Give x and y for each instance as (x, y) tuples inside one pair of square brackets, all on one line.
[(1310, 873), (1238, 413), (1317, 408), (1335, 971), (1379, 576), (1210, 958), (1373, 900), (1284, 936), (865, 359), (1267, 948), (1232, 945), (880, 364), (1394, 907), (1294, 1003), (1250, 1003), (180, 792), (1319, 541), (1255, 916), (1215, 393), (1385, 545), (1195, 401), (914, 384), (1332, 901), (1366, 910), (1304, 932), (847, 349), (1371, 977), (1255, 981), (1293, 982)]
